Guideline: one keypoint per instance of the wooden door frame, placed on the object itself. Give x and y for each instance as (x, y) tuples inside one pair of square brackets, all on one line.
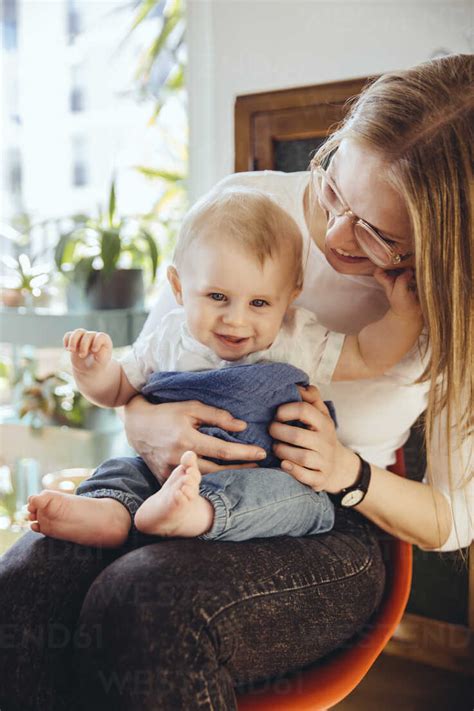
[(287, 114)]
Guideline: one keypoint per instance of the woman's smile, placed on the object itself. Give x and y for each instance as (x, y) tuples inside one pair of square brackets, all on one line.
[(346, 256)]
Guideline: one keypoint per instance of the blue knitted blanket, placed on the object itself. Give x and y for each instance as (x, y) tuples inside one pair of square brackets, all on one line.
[(251, 393)]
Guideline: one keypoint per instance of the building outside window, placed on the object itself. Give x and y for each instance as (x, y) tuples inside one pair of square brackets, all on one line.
[(77, 93), (80, 171), (69, 74)]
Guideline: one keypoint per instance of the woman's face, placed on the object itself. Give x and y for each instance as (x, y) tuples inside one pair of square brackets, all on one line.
[(359, 173)]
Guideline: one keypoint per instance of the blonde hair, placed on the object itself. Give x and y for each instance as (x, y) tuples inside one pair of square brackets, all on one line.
[(421, 121), (249, 219)]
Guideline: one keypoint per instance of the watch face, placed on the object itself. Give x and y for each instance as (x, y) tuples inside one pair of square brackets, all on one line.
[(352, 498)]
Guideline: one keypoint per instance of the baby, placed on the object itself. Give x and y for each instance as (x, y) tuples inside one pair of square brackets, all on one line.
[(237, 268)]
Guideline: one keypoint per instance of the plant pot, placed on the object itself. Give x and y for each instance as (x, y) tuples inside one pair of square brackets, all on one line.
[(12, 297), (122, 289)]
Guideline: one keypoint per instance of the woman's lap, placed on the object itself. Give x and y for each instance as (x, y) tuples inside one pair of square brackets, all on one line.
[(178, 623)]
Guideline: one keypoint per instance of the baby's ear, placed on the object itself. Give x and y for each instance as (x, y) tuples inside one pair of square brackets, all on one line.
[(295, 293), (175, 281)]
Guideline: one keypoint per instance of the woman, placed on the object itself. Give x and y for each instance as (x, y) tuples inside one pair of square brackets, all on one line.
[(178, 624)]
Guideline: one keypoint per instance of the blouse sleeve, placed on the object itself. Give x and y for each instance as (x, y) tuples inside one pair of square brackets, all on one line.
[(311, 346), (459, 492)]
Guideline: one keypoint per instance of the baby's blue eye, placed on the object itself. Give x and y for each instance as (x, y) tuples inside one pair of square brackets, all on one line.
[(259, 303), (216, 296)]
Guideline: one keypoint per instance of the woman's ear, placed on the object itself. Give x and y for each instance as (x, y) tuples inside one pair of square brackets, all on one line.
[(175, 282)]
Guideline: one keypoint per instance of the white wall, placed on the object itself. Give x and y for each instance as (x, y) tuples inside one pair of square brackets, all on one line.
[(244, 46)]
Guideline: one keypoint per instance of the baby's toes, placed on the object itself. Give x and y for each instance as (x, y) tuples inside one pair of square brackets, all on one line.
[(35, 527), (193, 476), (179, 497), (189, 459), (187, 492)]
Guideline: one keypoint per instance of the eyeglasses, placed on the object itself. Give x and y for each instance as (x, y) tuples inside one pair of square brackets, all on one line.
[(377, 248)]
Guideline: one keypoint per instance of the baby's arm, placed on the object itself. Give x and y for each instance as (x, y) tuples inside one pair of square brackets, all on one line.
[(382, 344), (98, 376)]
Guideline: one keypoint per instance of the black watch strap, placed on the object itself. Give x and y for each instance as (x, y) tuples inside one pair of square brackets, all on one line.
[(353, 495)]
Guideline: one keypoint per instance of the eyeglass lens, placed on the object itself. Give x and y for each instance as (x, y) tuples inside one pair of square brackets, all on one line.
[(375, 249)]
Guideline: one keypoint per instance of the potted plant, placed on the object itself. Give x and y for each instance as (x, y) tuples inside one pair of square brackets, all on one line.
[(25, 283), (103, 260)]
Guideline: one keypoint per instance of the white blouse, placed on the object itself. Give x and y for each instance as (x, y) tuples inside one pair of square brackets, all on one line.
[(374, 415)]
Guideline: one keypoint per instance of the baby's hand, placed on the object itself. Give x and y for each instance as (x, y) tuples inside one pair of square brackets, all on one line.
[(400, 288), (88, 349)]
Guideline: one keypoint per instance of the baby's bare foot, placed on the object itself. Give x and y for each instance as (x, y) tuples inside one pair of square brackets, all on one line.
[(177, 509), (80, 519)]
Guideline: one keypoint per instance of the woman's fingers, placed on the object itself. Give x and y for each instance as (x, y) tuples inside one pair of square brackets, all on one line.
[(316, 480), (297, 436), (206, 414), (207, 467), (312, 395), (304, 412), (207, 446), (307, 458)]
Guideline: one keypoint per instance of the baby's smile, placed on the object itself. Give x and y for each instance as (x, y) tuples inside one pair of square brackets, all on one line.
[(238, 345)]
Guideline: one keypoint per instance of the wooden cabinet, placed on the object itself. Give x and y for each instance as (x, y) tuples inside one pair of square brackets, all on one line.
[(279, 130)]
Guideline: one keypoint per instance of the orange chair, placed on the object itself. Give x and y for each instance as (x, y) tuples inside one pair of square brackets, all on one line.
[(328, 683)]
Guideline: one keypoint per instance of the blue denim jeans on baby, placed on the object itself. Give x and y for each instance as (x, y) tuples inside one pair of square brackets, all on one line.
[(248, 503)]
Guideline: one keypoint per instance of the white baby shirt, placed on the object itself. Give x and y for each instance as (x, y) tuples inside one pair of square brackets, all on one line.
[(302, 341)]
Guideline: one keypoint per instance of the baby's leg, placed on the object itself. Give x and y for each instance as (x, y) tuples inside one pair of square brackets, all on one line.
[(177, 509), (262, 503), (102, 511)]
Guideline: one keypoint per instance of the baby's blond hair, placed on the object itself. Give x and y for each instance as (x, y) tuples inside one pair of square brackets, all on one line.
[(247, 218)]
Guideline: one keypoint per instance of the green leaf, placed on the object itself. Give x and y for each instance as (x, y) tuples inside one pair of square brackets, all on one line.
[(65, 249), (83, 270), (4, 370), (155, 173), (158, 44), (175, 78), (111, 245), (9, 262), (153, 252), (156, 112), (112, 203), (144, 10)]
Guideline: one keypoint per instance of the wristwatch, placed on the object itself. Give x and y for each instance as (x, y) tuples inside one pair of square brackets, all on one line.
[(353, 495)]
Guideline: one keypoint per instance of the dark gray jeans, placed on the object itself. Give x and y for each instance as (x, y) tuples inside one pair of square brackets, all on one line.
[(175, 625)]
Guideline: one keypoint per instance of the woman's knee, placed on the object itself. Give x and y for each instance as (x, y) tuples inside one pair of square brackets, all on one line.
[(146, 592), (146, 618)]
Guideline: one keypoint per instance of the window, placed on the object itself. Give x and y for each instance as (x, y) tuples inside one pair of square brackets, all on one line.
[(77, 94), (9, 24), (80, 168), (73, 20)]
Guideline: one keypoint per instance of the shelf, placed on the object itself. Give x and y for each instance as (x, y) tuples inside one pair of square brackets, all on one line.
[(61, 447), (45, 328)]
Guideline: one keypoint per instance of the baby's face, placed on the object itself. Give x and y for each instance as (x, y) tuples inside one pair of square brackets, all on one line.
[(233, 305)]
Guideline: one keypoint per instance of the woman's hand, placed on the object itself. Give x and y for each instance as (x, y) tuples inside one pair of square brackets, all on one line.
[(161, 433), (314, 456)]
